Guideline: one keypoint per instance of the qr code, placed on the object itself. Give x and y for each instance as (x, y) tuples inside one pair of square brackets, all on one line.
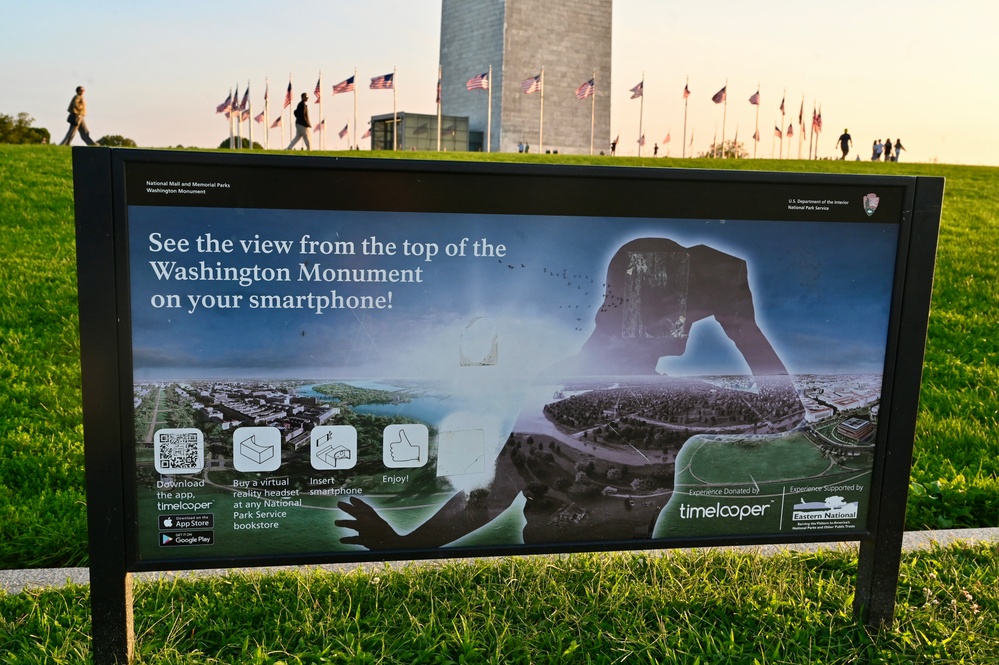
[(179, 451)]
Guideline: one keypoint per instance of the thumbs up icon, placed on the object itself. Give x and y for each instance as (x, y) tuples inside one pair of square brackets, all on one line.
[(405, 446)]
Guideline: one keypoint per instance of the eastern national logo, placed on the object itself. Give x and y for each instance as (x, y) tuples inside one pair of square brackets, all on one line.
[(833, 508), (871, 203)]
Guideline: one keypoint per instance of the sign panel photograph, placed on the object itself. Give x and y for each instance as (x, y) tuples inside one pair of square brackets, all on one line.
[(341, 360)]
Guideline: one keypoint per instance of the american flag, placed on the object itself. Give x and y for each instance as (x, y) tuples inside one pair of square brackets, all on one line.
[(245, 104), (801, 114), (666, 140), (318, 91), (756, 135), (384, 82), (244, 115), (267, 91), (777, 132), (480, 82), (259, 117), (755, 99), (287, 96), (638, 90), (818, 120), (367, 134), (319, 125), (790, 130), (531, 85), (641, 140), (438, 92), (276, 123), (720, 96), (342, 132), (344, 86), (686, 91), (782, 105), (585, 90), (225, 106)]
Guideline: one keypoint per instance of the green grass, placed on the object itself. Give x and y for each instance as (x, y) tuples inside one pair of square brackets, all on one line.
[(684, 607), (955, 474)]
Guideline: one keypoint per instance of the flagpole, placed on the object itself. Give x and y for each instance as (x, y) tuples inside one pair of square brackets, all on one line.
[(249, 121), (489, 112), (290, 124), (239, 123), (801, 125), (593, 108), (756, 140), (541, 124), (355, 108), (641, 113), (440, 70), (772, 142), (724, 113), (819, 127), (267, 120), (811, 137), (683, 146), (322, 125), (781, 154), (232, 141), (395, 115)]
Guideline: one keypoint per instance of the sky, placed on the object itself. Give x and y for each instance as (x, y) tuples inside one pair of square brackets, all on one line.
[(918, 70)]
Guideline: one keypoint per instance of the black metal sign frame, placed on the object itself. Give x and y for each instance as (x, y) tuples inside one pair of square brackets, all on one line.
[(205, 279)]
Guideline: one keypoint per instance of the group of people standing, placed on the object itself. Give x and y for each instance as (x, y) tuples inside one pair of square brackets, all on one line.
[(892, 151), (887, 149)]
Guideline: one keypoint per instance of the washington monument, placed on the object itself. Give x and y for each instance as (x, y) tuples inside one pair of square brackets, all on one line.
[(515, 39)]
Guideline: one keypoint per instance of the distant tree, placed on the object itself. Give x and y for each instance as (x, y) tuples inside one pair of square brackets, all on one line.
[(241, 141), (116, 141), (19, 130), (537, 490), (727, 150)]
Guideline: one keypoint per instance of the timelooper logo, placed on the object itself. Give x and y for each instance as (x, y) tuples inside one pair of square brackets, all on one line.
[(719, 511)]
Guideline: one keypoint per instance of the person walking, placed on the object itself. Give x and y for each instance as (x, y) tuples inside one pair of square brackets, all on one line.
[(898, 150), (302, 125), (845, 143), (888, 148), (878, 149), (77, 119)]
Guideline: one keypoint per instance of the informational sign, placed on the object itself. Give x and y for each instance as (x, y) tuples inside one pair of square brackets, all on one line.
[(331, 360)]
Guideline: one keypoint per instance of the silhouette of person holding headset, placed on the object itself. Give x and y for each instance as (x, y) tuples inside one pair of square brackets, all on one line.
[(655, 290)]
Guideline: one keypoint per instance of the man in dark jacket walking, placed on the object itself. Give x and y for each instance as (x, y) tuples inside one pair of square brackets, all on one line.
[(302, 124)]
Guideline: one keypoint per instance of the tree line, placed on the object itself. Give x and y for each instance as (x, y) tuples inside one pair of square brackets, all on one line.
[(19, 130)]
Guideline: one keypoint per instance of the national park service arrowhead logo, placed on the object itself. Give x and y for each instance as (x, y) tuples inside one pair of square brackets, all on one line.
[(871, 203)]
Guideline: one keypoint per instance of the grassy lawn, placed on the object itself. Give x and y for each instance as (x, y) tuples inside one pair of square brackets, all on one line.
[(715, 607), (684, 607), (955, 475)]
